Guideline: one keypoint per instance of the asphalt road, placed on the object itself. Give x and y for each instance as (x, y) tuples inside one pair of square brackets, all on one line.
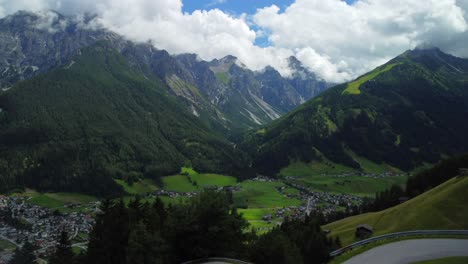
[(409, 251)]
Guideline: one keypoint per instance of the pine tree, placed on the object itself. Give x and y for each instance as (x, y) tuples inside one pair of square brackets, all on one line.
[(25, 255), (109, 237), (63, 252)]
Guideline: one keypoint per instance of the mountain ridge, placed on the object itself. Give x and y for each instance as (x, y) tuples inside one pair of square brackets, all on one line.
[(231, 101), (78, 127), (412, 107)]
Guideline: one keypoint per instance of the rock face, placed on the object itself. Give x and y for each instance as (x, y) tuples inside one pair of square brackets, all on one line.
[(223, 93), (31, 44)]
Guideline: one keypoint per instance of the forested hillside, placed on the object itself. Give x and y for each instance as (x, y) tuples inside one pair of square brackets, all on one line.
[(97, 118), (407, 112)]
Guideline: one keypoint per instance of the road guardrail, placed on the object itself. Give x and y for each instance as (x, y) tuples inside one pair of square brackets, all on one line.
[(399, 234), (227, 260)]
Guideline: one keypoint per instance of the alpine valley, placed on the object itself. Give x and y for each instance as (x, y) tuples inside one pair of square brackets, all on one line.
[(115, 151), (148, 112)]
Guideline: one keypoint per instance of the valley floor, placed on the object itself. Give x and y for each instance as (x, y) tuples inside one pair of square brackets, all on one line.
[(264, 202)]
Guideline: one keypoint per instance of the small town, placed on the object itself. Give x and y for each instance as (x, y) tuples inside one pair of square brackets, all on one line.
[(42, 225)]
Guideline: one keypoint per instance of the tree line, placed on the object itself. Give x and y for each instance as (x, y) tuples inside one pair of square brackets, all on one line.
[(206, 226)]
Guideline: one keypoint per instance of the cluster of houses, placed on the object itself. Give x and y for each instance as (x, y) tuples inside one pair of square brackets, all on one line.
[(315, 201), (368, 175), (174, 194), (42, 226)]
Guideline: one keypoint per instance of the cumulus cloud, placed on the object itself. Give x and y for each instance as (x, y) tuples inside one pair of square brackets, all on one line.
[(210, 34), (336, 40), (340, 41)]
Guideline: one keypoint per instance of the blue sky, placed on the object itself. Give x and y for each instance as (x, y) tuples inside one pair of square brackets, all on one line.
[(237, 6)]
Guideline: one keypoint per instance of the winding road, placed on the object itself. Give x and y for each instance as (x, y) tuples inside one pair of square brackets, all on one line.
[(9, 240), (409, 251)]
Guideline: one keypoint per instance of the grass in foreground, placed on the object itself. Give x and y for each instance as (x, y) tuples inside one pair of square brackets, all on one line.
[(443, 207), (452, 260)]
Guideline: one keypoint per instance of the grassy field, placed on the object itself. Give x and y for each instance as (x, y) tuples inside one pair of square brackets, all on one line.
[(443, 207), (189, 180), (301, 169), (213, 180), (320, 176), (356, 185), (326, 166), (57, 200), (178, 183), (452, 260), (256, 194), (252, 214), (353, 87), (254, 217), (142, 186)]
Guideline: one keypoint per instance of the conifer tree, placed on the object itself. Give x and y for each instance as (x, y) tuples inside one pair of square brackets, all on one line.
[(63, 252), (24, 255)]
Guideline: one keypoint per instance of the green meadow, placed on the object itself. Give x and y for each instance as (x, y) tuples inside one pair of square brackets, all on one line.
[(189, 180), (142, 186), (355, 185), (254, 217), (321, 176), (56, 201), (353, 87), (443, 207), (255, 194)]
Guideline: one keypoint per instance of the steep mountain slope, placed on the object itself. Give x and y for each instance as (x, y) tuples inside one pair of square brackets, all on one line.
[(32, 44), (409, 111), (440, 208), (223, 95), (96, 118)]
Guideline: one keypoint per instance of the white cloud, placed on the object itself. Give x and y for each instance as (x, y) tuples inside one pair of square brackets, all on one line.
[(339, 40), (336, 40)]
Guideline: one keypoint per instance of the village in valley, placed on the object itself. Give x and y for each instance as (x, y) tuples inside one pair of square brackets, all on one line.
[(21, 220)]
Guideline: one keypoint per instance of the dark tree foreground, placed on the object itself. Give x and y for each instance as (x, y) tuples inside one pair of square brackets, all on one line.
[(206, 226)]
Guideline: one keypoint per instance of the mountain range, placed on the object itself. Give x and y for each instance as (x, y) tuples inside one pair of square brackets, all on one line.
[(405, 113), (81, 105), (223, 93)]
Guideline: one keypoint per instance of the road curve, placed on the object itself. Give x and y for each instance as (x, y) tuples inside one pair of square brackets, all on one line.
[(409, 251), (9, 240)]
